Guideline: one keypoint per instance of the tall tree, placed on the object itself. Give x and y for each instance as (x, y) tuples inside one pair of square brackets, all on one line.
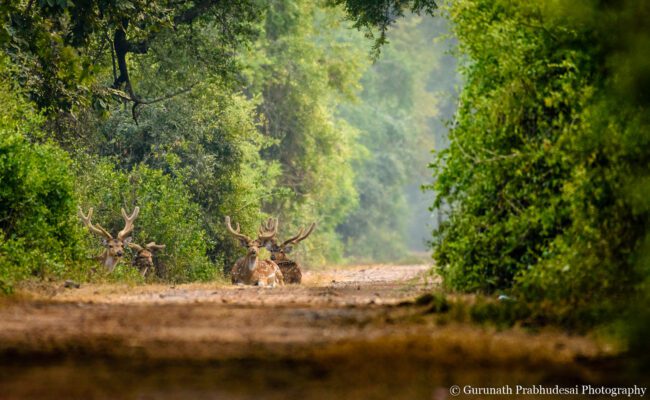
[(305, 65), (60, 45)]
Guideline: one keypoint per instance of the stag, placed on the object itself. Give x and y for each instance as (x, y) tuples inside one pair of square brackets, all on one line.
[(143, 259), (291, 270), (114, 247), (250, 270)]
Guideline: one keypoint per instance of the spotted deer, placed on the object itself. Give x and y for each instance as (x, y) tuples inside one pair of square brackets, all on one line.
[(114, 247), (250, 270), (143, 259), (291, 270)]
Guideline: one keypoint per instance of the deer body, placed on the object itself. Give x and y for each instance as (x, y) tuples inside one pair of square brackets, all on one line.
[(110, 261), (113, 247), (250, 270), (291, 270), (143, 259)]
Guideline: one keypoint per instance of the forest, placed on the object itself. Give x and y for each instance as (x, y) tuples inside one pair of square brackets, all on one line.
[(223, 110), (197, 112), (508, 141)]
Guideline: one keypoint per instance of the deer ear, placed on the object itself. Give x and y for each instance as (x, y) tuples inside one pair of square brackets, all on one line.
[(288, 249), (127, 240), (104, 242), (269, 246), (243, 243)]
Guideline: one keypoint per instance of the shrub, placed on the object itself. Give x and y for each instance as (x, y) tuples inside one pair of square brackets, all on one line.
[(540, 174), (38, 234), (167, 215)]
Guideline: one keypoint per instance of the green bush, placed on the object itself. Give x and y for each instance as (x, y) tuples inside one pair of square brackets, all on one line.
[(540, 176), (167, 216), (38, 234)]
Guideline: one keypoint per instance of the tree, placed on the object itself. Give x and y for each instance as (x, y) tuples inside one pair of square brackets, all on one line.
[(67, 43), (305, 65), (544, 159), (370, 15), (38, 232)]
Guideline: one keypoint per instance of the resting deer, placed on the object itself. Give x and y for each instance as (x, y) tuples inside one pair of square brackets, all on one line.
[(249, 270), (114, 251), (290, 269), (143, 259)]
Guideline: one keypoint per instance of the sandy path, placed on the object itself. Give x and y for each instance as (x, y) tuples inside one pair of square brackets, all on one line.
[(338, 287), (323, 317), (342, 320)]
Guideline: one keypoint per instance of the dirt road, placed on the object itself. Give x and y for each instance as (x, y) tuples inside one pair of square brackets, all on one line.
[(348, 333)]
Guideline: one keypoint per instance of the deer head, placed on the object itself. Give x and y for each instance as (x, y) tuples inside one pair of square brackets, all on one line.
[(252, 245), (114, 246), (143, 259), (279, 251)]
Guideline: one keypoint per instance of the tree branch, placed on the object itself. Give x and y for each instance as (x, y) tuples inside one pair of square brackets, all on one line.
[(29, 7), (122, 46), (129, 96), (108, 38)]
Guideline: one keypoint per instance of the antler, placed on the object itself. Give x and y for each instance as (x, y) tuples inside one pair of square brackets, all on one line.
[(93, 228), (268, 230), (135, 247), (128, 223), (235, 232), (153, 246), (300, 236)]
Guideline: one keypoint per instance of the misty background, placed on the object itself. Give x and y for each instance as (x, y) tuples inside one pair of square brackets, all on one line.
[(408, 96)]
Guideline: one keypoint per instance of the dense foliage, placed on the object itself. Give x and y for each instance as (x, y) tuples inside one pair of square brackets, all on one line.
[(306, 64), (167, 215), (542, 178), (205, 140), (38, 231), (376, 17), (190, 110), (63, 48)]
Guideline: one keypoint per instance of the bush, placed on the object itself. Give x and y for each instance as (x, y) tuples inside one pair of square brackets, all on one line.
[(38, 232), (540, 174), (206, 140), (167, 215)]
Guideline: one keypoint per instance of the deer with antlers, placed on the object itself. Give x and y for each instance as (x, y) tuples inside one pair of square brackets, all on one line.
[(114, 247), (143, 259), (291, 270), (250, 270)]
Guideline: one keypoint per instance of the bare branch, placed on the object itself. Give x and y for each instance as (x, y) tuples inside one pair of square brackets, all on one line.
[(194, 12), (29, 7), (137, 101)]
